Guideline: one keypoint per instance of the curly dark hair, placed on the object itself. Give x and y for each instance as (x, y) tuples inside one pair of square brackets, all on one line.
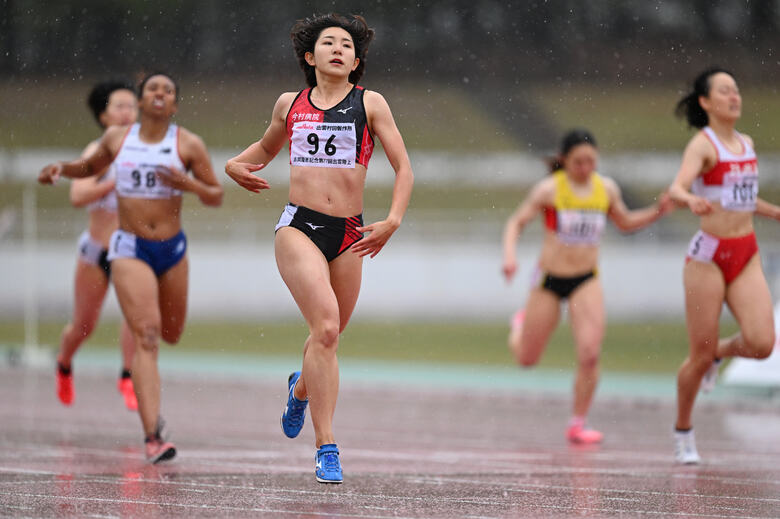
[(100, 94), (305, 32)]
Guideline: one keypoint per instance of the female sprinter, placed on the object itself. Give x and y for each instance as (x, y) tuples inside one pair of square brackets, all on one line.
[(112, 103), (576, 202), (319, 238), (718, 181), (147, 252)]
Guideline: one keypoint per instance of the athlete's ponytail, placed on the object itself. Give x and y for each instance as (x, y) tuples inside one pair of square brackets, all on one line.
[(688, 107), (573, 138)]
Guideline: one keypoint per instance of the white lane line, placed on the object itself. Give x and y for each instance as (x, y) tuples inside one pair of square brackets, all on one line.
[(445, 479), (212, 507), (364, 516), (16, 470)]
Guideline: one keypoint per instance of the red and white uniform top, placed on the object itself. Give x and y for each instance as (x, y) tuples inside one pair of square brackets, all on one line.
[(733, 180), (335, 138), (138, 162)]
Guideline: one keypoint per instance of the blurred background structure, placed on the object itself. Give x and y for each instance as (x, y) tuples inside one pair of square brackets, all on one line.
[(482, 91)]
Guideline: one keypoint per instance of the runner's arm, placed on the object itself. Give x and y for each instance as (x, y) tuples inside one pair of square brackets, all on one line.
[(382, 124), (629, 220), (540, 196), (84, 191), (241, 167)]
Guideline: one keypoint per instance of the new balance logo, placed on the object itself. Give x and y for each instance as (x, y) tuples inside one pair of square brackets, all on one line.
[(344, 110), (314, 227)]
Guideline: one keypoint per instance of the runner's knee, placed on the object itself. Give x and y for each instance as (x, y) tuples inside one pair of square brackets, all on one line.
[(148, 337), (172, 335), (526, 359), (759, 346), (326, 334), (589, 361)]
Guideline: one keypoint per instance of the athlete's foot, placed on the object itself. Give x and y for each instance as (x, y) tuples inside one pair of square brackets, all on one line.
[(295, 411), (516, 323), (65, 391), (685, 448), (158, 450), (578, 434), (328, 466), (710, 377), (125, 387)]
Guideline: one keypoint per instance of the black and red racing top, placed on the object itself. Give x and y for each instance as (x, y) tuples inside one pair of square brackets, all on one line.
[(335, 138)]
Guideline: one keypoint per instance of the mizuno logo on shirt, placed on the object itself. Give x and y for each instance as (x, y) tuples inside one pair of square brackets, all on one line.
[(314, 227), (344, 110), (165, 150)]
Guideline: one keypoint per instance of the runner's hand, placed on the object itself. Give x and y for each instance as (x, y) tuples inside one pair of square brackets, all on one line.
[(50, 173), (241, 172), (665, 203), (509, 268), (173, 177), (699, 206), (373, 243)]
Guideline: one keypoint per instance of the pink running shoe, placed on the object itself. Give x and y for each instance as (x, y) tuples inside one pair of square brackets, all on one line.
[(517, 320), (158, 450), (125, 387), (65, 390), (579, 435)]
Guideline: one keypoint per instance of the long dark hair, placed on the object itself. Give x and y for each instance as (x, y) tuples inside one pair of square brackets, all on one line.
[(100, 94), (573, 138), (688, 107), (305, 32)]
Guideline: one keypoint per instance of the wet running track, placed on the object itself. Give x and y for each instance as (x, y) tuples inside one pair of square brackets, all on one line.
[(408, 450)]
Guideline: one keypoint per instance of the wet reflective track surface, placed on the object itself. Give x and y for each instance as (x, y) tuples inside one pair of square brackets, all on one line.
[(407, 451)]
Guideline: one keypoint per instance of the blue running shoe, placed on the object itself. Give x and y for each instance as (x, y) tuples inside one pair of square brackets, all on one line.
[(328, 468), (295, 412)]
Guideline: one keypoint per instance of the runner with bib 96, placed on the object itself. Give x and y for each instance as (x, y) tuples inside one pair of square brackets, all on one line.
[(320, 245)]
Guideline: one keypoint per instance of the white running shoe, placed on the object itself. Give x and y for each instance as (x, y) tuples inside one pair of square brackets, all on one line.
[(710, 377), (685, 448)]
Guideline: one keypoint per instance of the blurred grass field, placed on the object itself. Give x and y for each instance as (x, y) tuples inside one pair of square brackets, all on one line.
[(432, 116), (641, 118), (647, 347)]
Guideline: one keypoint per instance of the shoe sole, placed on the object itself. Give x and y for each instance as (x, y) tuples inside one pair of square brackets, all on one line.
[(165, 456), (329, 481)]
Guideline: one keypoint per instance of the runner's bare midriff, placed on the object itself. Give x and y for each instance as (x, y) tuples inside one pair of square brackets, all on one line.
[(727, 224), (332, 191), (560, 259), (151, 219)]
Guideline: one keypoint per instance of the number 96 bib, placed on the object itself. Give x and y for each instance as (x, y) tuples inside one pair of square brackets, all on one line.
[(323, 145)]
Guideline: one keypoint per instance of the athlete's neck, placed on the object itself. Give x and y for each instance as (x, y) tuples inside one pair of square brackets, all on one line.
[(727, 135), (579, 181), (723, 129), (330, 92), (153, 129)]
